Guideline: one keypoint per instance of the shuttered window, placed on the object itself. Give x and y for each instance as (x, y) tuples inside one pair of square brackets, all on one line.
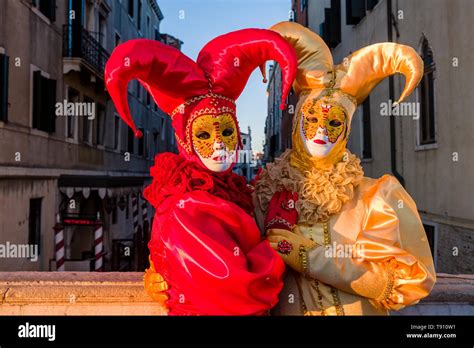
[(427, 90), (366, 130), (355, 11), (46, 7), (44, 100), (4, 59)]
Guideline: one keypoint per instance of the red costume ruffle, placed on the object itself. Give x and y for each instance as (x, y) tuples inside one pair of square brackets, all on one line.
[(173, 174)]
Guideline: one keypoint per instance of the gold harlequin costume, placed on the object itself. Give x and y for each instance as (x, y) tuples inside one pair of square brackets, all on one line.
[(369, 252)]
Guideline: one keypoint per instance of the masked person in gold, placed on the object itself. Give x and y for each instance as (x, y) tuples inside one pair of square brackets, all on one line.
[(357, 246)]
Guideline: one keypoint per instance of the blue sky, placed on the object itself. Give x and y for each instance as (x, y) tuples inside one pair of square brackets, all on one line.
[(204, 20)]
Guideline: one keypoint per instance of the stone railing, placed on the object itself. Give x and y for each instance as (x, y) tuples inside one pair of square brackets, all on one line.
[(83, 293), (75, 293)]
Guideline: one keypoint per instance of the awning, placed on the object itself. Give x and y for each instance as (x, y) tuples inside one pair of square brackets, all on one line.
[(106, 185)]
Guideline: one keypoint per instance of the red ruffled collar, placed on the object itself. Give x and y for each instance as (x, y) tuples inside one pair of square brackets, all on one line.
[(173, 174)]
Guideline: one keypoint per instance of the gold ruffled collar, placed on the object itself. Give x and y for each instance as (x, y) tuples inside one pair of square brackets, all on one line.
[(321, 191)]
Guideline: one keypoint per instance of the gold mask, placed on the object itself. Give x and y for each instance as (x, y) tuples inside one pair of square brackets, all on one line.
[(215, 140), (318, 114)]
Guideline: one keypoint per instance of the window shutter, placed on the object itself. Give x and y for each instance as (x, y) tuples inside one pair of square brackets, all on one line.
[(332, 24), (37, 99), (50, 108), (371, 4), (355, 11), (4, 59), (52, 16)]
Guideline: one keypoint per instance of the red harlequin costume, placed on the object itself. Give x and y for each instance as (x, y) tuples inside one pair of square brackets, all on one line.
[(204, 241)]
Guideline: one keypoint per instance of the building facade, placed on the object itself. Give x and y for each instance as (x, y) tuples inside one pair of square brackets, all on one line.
[(66, 158), (278, 123), (246, 164), (429, 145)]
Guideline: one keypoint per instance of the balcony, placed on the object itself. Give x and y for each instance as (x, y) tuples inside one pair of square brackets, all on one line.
[(81, 48), (115, 293)]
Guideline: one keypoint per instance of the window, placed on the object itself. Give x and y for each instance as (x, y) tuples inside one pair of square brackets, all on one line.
[(426, 128), (139, 15), (4, 59), (138, 90), (430, 235), (371, 4), (244, 141), (102, 30), (332, 24), (87, 125), (100, 125), (116, 131), (148, 32), (157, 34), (155, 141), (355, 11), (47, 8), (130, 7), (142, 143), (73, 97), (118, 39), (148, 98), (34, 222), (148, 150), (44, 100), (303, 4), (366, 132), (130, 140), (163, 129)]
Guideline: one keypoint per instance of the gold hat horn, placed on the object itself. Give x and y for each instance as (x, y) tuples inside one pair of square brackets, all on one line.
[(365, 68), (315, 63), (359, 73)]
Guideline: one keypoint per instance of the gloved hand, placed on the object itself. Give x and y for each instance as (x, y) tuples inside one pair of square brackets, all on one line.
[(155, 284), (291, 246), (282, 212)]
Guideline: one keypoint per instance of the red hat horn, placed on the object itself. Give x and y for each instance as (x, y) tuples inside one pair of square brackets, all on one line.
[(231, 58), (164, 71)]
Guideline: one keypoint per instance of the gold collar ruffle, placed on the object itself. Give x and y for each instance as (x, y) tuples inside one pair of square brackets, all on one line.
[(321, 191)]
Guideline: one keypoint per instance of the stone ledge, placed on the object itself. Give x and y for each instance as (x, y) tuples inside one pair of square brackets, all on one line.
[(75, 293), (84, 293)]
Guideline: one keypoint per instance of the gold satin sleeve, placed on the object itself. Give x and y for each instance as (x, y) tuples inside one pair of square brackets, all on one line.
[(396, 267)]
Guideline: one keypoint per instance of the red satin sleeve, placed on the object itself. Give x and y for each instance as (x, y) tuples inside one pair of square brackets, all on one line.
[(211, 254)]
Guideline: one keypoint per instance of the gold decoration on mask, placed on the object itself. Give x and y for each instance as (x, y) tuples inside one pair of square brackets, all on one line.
[(299, 156), (208, 129), (318, 113)]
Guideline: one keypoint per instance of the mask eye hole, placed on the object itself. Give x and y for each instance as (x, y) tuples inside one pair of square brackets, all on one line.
[(335, 123), (228, 132), (312, 119), (203, 135)]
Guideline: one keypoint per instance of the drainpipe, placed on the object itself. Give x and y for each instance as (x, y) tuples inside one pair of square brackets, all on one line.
[(391, 89)]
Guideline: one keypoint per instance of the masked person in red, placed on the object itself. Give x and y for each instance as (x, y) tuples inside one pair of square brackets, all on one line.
[(205, 244)]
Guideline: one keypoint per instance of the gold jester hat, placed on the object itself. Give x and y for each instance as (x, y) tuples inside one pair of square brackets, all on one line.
[(345, 85)]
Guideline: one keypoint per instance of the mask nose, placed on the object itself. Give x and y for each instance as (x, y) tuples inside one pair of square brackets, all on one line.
[(218, 145), (322, 131)]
